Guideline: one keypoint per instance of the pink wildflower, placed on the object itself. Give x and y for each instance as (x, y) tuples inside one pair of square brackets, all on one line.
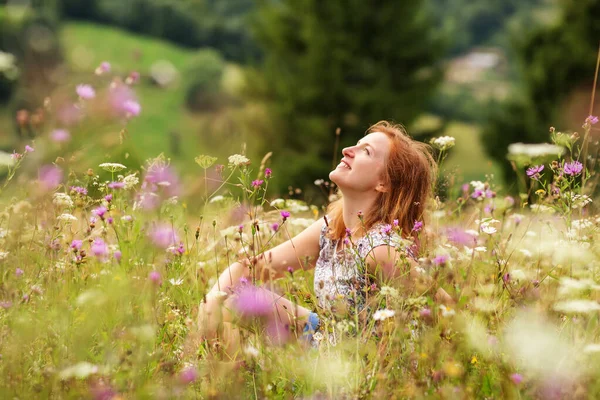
[(417, 226), (154, 277), (132, 108), (516, 378), (275, 227), (133, 77), (76, 244), (441, 259), (99, 248), (163, 236), (253, 302), (85, 92), (50, 176), (29, 149), (116, 185), (79, 190), (188, 375), (573, 168), (100, 211), (103, 68), (534, 172), (19, 272), (108, 197), (285, 215), (268, 173), (117, 254), (60, 135), (592, 120), (386, 230), (257, 183)]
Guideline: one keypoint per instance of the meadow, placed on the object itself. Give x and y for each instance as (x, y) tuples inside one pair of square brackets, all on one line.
[(104, 266)]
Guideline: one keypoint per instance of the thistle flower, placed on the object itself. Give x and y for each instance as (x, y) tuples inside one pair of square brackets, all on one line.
[(131, 108), (534, 172), (592, 120), (386, 230), (253, 302), (417, 226), (99, 248), (188, 375), (163, 236), (103, 68), (76, 244), (154, 277), (50, 176), (116, 185), (285, 215)]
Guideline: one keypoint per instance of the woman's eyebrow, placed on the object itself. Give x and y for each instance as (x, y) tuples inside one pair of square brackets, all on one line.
[(366, 144)]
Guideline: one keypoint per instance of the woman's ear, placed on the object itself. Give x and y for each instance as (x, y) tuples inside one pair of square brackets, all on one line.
[(381, 188)]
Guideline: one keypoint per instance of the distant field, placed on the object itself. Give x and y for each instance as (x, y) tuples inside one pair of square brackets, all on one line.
[(468, 159)]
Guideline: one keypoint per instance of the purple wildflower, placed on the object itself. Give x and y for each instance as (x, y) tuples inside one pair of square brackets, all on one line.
[(99, 248), (76, 244), (154, 277), (290, 270), (459, 237), (116, 185), (19, 272), (253, 302), (6, 304), (100, 211), (103, 68), (117, 254), (257, 183), (133, 77), (108, 197), (442, 259), (16, 156), (417, 226), (386, 230), (534, 172), (268, 173), (69, 114), (79, 190), (188, 375), (592, 120), (396, 223), (29, 149), (516, 378), (50, 176), (60, 135), (163, 236), (573, 168), (425, 313), (509, 200), (506, 278), (275, 227), (285, 215), (85, 92), (109, 220), (131, 108)]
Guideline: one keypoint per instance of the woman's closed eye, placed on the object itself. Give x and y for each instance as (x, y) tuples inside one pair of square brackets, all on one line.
[(368, 152)]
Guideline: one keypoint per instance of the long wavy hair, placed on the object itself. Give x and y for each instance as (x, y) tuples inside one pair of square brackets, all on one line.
[(410, 170)]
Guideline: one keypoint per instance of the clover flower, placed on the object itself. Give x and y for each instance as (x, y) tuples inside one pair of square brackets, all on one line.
[(268, 173)]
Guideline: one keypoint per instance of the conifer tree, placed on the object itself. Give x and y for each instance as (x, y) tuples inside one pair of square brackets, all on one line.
[(346, 64)]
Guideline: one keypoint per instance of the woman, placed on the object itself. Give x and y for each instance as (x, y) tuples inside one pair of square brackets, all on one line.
[(385, 181)]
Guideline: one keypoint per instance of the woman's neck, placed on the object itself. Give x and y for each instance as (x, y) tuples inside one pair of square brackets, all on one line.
[(353, 206)]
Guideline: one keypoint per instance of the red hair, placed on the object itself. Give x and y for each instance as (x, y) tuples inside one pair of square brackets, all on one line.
[(410, 171)]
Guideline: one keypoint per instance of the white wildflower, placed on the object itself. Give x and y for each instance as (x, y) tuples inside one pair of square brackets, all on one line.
[(535, 150), (172, 201), (592, 348), (62, 200), (3, 255), (389, 291), (447, 311), (576, 306), (579, 200), (382, 315), (80, 370), (478, 185), (443, 142), (296, 206), (301, 222), (176, 282), (237, 160), (130, 181), (127, 218), (66, 218), (112, 167), (541, 208), (278, 203), (251, 351), (486, 226), (472, 232)]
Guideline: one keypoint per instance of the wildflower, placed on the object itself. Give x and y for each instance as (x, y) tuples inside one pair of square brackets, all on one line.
[(382, 315), (66, 218), (117, 254), (534, 172), (62, 200), (16, 156), (573, 168), (127, 218), (60, 135), (534, 150), (238, 160), (516, 378), (50, 176), (100, 211), (131, 108), (257, 183), (386, 230), (154, 277), (163, 236), (85, 92), (133, 77), (443, 142), (176, 282), (506, 278), (509, 201), (116, 185), (447, 311), (425, 313), (188, 375), (103, 68), (76, 244), (19, 272), (130, 181), (441, 259), (252, 302), (99, 248), (29, 149), (486, 226), (417, 226), (5, 304), (576, 306), (108, 197), (3, 255), (275, 227), (79, 190), (112, 167), (285, 215), (290, 270), (592, 120), (268, 173), (388, 291)]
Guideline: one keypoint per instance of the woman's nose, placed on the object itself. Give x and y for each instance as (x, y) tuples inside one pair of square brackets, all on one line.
[(348, 151)]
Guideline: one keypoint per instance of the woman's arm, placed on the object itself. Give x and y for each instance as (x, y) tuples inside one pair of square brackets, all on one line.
[(299, 252)]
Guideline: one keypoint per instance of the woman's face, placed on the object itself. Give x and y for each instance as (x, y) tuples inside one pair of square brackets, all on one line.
[(362, 167)]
